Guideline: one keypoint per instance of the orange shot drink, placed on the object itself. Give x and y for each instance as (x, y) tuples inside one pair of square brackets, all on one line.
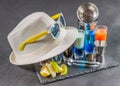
[(101, 33)]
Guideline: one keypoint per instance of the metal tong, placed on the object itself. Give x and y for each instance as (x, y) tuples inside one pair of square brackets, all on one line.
[(82, 63)]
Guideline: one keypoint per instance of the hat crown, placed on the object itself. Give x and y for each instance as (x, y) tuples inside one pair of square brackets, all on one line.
[(29, 26)]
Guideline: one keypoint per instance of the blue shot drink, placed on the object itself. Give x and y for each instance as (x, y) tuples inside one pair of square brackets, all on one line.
[(78, 48), (89, 45)]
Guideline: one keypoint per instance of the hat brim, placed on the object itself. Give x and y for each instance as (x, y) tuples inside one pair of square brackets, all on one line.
[(66, 42)]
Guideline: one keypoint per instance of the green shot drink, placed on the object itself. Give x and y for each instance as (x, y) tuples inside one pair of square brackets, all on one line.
[(78, 48)]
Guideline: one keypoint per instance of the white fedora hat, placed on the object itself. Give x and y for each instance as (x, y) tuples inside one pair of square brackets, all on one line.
[(44, 48)]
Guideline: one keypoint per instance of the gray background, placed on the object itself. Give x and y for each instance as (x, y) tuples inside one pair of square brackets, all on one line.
[(13, 11)]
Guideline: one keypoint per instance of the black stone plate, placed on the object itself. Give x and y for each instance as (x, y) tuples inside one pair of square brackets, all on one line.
[(75, 71)]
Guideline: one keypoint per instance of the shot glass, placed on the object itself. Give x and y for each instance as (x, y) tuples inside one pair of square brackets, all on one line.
[(100, 42), (67, 54), (89, 45), (78, 48)]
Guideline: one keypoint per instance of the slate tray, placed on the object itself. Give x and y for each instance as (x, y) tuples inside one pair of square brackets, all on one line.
[(75, 71)]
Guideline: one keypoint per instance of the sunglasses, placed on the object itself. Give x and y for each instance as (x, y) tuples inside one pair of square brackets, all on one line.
[(54, 31)]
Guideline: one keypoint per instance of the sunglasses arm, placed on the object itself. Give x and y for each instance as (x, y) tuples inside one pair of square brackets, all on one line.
[(32, 39), (56, 16)]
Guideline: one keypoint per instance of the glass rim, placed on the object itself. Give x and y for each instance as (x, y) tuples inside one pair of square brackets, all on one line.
[(102, 27)]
